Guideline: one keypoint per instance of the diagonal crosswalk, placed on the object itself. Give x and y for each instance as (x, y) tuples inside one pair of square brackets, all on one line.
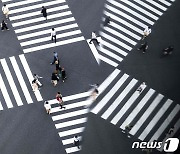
[(33, 31), (14, 71), (149, 113), (128, 20)]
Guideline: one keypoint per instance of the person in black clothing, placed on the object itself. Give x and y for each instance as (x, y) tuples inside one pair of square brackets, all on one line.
[(143, 47), (107, 21), (58, 67), (44, 12), (54, 78), (63, 74), (168, 50), (4, 25)]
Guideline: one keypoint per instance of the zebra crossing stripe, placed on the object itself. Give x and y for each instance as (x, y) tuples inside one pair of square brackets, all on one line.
[(70, 140), (118, 100), (11, 82), (71, 132), (155, 119), (165, 2), (166, 123), (146, 114), (22, 3), (1, 107), (109, 95), (5, 93), (137, 109), (30, 76), (72, 149), (21, 80), (157, 5), (131, 11)]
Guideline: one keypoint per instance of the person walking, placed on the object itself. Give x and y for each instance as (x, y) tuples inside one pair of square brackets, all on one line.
[(94, 38), (63, 74), (127, 130), (55, 57), (44, 12), (53, 35), (107, 21), (59, 98), (58, 67), (5, 10), (4, 25), (37, 77), (143, 47), (76, 142), (47, 107), (168, 50), (146, 32), (54, 78), (35, 85), (141, 87)]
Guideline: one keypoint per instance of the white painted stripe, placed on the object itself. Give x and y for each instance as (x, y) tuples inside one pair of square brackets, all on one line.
[(131, 11), (70, 140), (155, 119), (118, 100), (146, 114), (30, 21), (108, 61), (148, 7), (36, 6), (166, 123), (72, 149), (17, 17), (111, 54), (11, 82), (50, 45), (165, 2), (71, 132), (29, 75), (1, 107), (140, 9), (137, 109), (21, 80), (126, 106), (125, 16), (6, 0), (47, 31), (114, 32), (5, 93), (130, 33), (69, 114), (121, 21), (70, 123), (44, 25), (109, 95), (114, 40), (22, 3), (47, 38), (157, 5), (172, 0)]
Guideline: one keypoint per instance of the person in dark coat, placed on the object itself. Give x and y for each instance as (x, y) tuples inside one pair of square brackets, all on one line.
[(44, 12), (4, 25), (63, 74), (54, 78), (107, 20), (168, 50), (143, 47)]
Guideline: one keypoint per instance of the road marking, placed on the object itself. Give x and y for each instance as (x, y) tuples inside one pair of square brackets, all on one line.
[(157, 5), (1, 107), (71, 131)]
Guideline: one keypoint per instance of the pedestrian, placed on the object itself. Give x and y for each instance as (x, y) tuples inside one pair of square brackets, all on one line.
[(143, 47), (171, 130), (168, 50), (63, 74), (60, 100), (5, 10), (44, 12), (55, 57), (76, 142), (107, 21), (127, 129), (35, 85), (4, 25), (54, 78), (37, 77), (146, 32), (47, 107), (95, 91), (58, 67), (94, 38), (141, 87), (53, 35)]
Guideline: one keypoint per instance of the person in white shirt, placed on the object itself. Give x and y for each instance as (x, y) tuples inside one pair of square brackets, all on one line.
[(53, 35), (5, 10), (146, 32), (47, 107), (141, 87), (94, 38), (37, 77), (76, 142)]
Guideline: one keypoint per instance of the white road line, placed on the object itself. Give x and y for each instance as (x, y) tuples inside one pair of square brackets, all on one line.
[(165, 2), (5, 93), (108, 61), (146, 114), (131, 11), (21, 80), (11, 82), (22, 3), (126, 106), (109, 95), (137, 109), (30, 76), (157, 5), (71, 131), (70, 123), (70, 140), (140, 9), (72, 149), (1, 107), (155, 119), (166, 123), (118, 100)]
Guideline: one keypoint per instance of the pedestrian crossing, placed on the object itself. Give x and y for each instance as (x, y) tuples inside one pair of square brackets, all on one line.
[(128, 20), (14, 71), (33, 31), (149, 113)]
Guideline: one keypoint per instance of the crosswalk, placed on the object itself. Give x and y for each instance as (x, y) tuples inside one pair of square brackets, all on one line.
[(128, 20), (14, 71), (150, 113), (33, 31)]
